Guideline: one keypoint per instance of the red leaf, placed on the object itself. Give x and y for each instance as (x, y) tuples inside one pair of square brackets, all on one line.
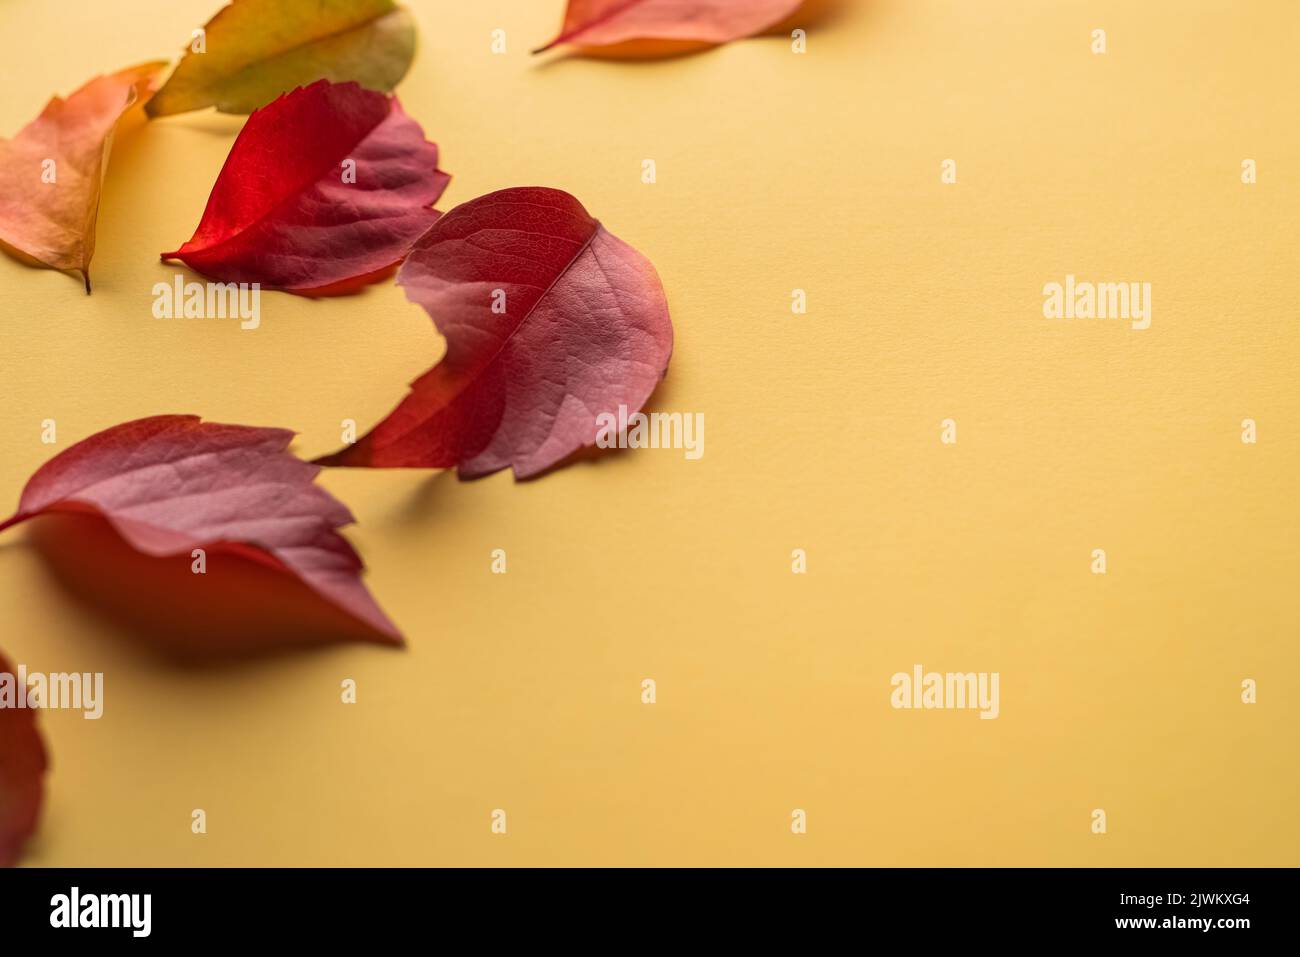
[(585, 329), (603, 23), (170, 484), (281, 213), (22, 767)]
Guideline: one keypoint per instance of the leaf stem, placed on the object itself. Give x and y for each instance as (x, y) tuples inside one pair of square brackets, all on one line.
[(12, 520)]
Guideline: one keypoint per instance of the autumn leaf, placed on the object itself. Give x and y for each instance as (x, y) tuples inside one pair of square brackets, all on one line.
[(550, 321), (171, 484), (324, 191), (51, 172), (254, 50), (22, 769), (680, 24)]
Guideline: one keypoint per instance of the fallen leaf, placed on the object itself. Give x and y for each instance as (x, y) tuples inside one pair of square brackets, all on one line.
[(240, 607), (171, 484), (51, 172), (255, 50), (550, 321), (324, 191), (22, 769), (592, 24)]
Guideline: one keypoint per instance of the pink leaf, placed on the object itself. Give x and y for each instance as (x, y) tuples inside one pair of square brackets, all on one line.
[(550, 322), (170, 484)]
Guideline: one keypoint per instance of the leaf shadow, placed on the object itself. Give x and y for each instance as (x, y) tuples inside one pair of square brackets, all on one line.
[(425, 501), (209, 123)]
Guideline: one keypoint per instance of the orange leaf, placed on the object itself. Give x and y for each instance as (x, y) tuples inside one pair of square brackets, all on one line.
[(51, 172)]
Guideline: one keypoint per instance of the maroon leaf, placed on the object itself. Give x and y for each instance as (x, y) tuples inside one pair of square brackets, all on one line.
[(170, 484), (22, 769), (325, 190), (550, 321)]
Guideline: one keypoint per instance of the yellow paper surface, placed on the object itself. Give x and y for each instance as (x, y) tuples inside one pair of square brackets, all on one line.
[(775, 172)]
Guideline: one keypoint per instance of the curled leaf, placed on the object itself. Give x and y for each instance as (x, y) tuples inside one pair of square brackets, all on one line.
[(170, 484), (51, 172), (22, 769), (593, 24), (324, 191), (254, 50), (550, 321)]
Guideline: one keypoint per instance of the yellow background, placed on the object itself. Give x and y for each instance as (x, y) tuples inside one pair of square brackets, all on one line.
[(775, 172)]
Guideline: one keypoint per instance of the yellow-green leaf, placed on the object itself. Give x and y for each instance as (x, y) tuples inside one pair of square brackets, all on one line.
[(254, 50)]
